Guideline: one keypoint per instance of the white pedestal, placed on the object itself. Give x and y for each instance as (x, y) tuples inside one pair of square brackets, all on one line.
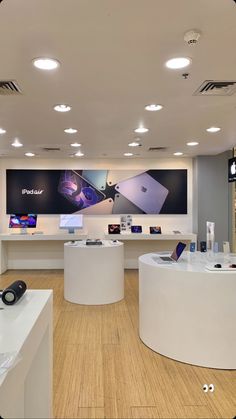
[(188, 313), (26, 328), (94, 274)]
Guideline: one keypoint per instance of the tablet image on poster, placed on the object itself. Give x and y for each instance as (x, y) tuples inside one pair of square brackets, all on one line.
[(85, 191)]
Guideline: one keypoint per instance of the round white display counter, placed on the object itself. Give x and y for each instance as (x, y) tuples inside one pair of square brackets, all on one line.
[(93, 274), (188, 313)]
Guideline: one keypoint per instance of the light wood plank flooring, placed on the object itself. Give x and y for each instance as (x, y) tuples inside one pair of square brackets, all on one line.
[(103, 370)]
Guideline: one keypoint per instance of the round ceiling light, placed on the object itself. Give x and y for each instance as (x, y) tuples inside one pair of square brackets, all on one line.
[(46, 63), (134, 144), (192, 143), (70, 130), (153, 107), (178, 63), (62, 108), (79, 154), (213, 129), (2, 131), (141, 130), (16, 143), (75, 144), (178, 153), (29, 154)]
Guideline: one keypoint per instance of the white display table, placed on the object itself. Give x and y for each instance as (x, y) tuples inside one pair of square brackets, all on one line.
[(34, 251), (136, 244), (187, 312), (26, 328), (94, 274)]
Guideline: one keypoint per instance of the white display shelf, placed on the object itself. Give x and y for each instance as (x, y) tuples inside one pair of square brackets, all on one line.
[(94, 274), (26, 329), (143, 236), (34, 251)]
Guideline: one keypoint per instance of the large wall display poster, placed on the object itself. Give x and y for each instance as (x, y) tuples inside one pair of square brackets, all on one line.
[(97, 191)]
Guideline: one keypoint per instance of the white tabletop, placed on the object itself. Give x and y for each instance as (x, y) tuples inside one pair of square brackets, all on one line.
[(82, 244), (193, 262), (16, 321)]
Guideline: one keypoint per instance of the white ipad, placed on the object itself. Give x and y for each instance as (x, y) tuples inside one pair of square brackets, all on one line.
[(145, 192)]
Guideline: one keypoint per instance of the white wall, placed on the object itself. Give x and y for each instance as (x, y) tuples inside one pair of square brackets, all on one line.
[(97, 225)]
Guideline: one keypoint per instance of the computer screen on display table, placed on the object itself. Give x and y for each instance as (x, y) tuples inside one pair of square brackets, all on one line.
[(23, 221), (71, 222)]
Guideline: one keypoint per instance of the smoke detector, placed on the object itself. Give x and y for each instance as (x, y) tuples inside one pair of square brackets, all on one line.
[(192, 37)]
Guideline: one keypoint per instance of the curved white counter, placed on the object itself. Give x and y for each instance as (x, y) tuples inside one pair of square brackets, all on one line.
[(94, 275), (187, 312)]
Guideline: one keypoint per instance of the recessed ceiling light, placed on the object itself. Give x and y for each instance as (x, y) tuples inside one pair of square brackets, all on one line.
[(70, 130), (178, 153), (79, 154), (128, 154), (153, 107), (177, 63), (134, 144), (141, 130), (75, 144), (192, 143), (62, 108), (29, 154), (213, 129), (46, 63), (16, 143), (2, 131)]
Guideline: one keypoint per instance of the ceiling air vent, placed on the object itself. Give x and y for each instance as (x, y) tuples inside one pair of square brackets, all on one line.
[(216, 88), (51, 149), (9, 87), (157, 149)]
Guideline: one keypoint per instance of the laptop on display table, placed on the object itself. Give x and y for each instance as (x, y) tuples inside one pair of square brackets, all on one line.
[(174, 256)]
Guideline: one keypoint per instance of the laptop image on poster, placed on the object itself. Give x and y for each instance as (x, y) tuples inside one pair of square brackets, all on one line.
[(174, 256)]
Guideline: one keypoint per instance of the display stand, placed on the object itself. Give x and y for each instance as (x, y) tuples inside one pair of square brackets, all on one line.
[(26, 329)]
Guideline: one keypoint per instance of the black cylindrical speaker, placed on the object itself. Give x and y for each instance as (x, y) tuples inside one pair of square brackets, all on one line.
[(14, 292)]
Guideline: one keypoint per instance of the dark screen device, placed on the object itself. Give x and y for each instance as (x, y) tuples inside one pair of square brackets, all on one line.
[(136, 229), (203, 247), (114, 228), (155, 230), (14, 292), (175, 254)]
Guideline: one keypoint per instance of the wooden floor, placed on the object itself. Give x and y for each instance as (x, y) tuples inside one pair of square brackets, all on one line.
[(103, 370)]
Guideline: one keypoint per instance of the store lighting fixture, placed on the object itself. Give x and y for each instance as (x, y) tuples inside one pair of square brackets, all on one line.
[(141, 130), (46, 63), (213, 129), (75, 144), (192, 143), (29, 154), (178, 153), (153, 107), (178, 63), (62, 108), (16, 143), (70, 130)]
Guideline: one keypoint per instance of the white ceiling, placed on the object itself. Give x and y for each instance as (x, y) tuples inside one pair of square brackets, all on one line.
[(112, 55)]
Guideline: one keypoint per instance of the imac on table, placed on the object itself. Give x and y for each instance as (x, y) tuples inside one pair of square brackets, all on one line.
[(23, 221), (71, 222)]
